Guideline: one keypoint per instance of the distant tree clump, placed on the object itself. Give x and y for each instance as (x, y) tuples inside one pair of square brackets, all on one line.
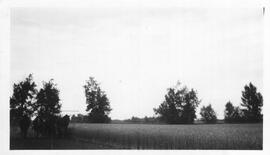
[(208, 114), (79, 118), (179, 106), (252, 102), (97, 102), (250, 110), (232, 114), (144, 120), (21, 104)]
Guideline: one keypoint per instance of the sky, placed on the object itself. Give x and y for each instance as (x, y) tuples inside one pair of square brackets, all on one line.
[(136, 53)]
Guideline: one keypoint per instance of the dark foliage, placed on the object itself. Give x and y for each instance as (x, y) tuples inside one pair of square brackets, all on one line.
[(233, 114), (48, 100), (38, 126), (26, 102), (250, 112), (52, 126), (228, 113), (144, 120), (191, 102), (79, 118), (24, 124), (22, 104), (48, 109), (179, 106), (208, 114), (97, 102), (238, 116), (252, 102), (62, 125)]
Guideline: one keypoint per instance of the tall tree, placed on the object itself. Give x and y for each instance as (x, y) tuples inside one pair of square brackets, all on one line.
[(191, 102), (252, 101), (229, 111), (208, 114), (48, 106), (48, 100), (21, 103), (97, 102), (179, 105)]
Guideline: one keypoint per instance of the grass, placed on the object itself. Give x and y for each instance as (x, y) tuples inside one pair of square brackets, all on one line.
[(144, 136)]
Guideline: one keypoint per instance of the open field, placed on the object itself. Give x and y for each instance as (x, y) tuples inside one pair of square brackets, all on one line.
[(144, 136)]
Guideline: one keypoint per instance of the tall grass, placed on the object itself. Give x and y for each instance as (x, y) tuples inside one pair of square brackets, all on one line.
[(142, 136)]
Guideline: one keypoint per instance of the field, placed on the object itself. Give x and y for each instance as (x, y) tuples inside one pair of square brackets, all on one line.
[(146, 136), (218, 136)]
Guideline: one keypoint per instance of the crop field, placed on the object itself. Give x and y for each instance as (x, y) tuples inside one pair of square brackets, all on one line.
[(147, 136), (144, 136)]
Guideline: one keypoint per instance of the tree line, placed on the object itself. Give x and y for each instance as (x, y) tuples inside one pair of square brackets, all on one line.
[(37, 108), (250, 110), (41, 109), (180, 103), (179, 107)]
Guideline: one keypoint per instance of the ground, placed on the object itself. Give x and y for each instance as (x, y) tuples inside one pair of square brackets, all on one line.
[(62, 144), (31, 142)]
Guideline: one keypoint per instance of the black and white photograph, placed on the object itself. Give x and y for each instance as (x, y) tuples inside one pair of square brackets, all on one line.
[(135, 75)]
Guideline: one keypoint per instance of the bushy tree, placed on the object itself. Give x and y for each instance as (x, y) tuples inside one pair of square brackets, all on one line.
[(179, 106), (238, 116), (252, 102), (208, 114), (169, 110), (191, 102), (233, 114), (97, 102), (228, 113), (21, 103), (48, 100), (48, 107)]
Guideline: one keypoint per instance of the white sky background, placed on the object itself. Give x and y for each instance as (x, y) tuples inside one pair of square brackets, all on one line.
[(137, 53)]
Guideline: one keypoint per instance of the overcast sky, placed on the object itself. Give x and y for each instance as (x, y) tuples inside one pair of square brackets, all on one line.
[(136, 53)]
